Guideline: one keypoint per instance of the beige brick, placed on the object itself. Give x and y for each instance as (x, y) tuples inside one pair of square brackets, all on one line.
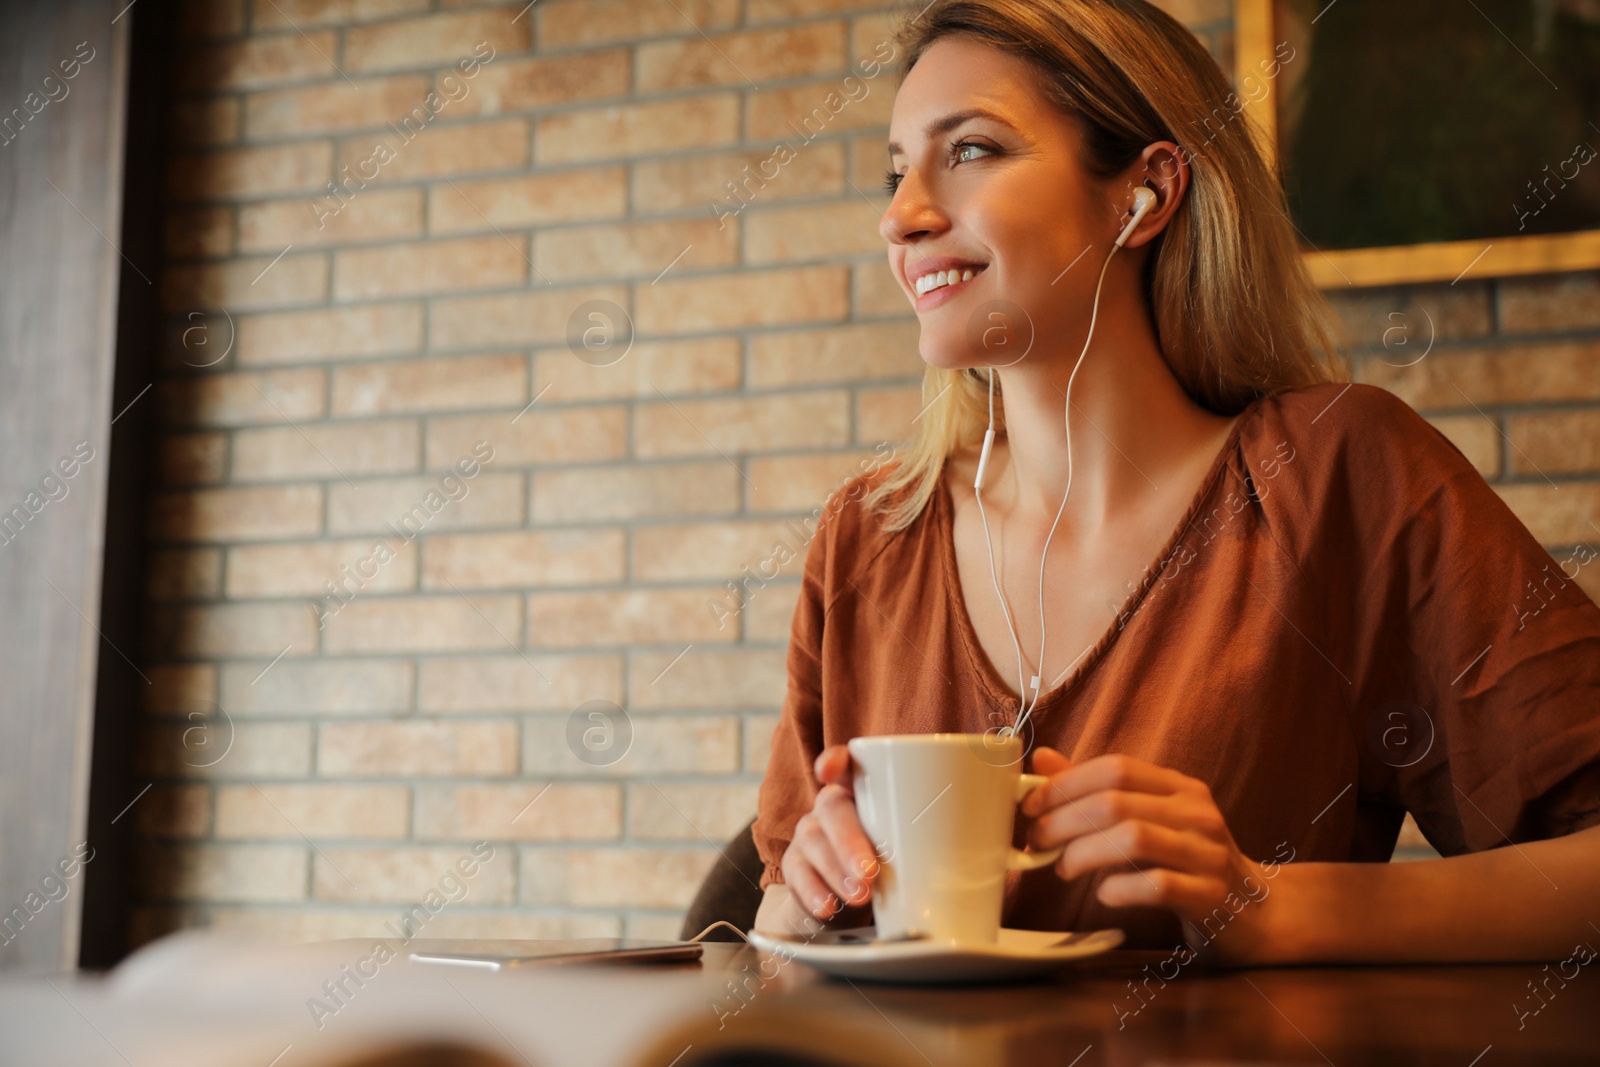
[(368, 506), (219, 873), (243, 399), (1400, 324), (338, 106), (1477, 437), (707, 678), (184, 574), (796, 112), (653, 925), (801, 483), (287, 168), (437, 151), (593, 494), (326, 450), (317, 687), (369, 215), (431, 385), (432, 267), (529, 84), (813, 231), (355, 568), (313, 811), (696, 182), (434, 40), (527, 200), (222, 748), (637, 129), (662, 744), (877, 294), (334, 333), (693, 62), (515, 560), (635, 249), (192, 458), (1557, 442), (758, 730), (421, 749), (732, 425), (751, 298), (615, 877), (558, 435), (1556, 514), (257, 62), (717, 550), (299, 924), (574, 22), (534, 317), (758, 11), (1566, 370), (179, 688), (769, 613), (204, 122), (174, 811), (864, 352), (199, 233), (445, 623), (242, 630), (246, 284), (210, 18), (872, 46), (684, 811), (298, 14), (523, 682), (409, 875), (703, 365), (869, 158), (625, 617), (885, 414), (532, 812), (1549, 303), (234, 514)]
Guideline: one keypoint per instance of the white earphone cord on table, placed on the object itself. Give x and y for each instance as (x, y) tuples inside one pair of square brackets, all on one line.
[(1144, 200)]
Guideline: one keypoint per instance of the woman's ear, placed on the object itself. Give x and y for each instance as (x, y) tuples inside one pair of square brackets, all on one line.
[(1163, 168)]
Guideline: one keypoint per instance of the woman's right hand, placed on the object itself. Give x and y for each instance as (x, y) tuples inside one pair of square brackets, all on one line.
[(830, 865)]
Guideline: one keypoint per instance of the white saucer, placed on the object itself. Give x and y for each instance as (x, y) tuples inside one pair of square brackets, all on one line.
[(1017, 954)]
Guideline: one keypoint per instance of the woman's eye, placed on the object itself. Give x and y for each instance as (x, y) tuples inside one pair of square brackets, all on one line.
[(891, 181), (960, 149)]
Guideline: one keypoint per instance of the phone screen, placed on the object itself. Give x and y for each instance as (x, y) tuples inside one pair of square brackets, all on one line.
[(499, 954)]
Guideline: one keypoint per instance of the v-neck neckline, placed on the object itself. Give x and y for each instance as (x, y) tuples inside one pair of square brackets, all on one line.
[(988, 674)]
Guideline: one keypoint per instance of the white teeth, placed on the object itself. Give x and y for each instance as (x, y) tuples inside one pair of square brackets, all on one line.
[(940, 278)]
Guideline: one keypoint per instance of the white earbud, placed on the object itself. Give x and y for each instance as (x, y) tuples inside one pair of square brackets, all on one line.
[(1143, 201)]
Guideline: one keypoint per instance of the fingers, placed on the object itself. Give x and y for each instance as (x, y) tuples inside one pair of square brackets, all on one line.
[(806, 886), (1183, 893), (1049, 762), (831, 861), (1105, 772), (1144, 845), (833, 767), (1106, 809)]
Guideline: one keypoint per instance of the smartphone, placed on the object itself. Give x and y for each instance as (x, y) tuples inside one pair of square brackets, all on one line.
[(495, 955)]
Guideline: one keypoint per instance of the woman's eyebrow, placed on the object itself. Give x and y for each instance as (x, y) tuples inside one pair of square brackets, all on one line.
[(951, 121)]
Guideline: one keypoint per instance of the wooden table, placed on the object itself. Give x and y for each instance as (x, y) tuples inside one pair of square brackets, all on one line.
[(229, 1007), (1344, 1016)]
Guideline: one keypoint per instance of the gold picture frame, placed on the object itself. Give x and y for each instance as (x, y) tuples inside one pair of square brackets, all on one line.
[(1255, 40)]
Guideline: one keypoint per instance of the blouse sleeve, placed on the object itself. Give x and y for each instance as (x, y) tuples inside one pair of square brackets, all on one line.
[(1490, 733), (789, 788)]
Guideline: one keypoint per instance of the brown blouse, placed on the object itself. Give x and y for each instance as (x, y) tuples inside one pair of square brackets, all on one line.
[(1347, 624)]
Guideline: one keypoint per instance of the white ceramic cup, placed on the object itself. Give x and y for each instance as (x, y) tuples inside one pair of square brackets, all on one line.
[(940, 808)]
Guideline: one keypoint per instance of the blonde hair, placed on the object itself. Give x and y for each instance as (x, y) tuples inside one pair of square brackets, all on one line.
[(1237, 315)]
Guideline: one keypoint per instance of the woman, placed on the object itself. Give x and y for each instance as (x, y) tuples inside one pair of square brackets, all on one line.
[(1320, 616)]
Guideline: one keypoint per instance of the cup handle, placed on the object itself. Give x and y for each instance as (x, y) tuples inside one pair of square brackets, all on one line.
[(1018, 860)]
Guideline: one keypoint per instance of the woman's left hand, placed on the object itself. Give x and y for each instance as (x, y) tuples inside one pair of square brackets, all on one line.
[(1165, 843)]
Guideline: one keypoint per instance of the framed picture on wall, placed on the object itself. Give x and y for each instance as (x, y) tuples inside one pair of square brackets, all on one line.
[(1423, 139)]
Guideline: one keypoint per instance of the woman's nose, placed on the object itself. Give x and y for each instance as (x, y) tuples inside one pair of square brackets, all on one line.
[(912, 212)]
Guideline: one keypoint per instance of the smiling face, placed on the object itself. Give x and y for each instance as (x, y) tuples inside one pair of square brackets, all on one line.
[(991, 204)]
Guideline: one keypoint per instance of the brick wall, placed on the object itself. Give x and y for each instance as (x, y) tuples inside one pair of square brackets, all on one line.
[(417, 546)]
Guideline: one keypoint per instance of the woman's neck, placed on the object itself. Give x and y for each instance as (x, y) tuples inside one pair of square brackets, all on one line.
[(1133, 428)]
